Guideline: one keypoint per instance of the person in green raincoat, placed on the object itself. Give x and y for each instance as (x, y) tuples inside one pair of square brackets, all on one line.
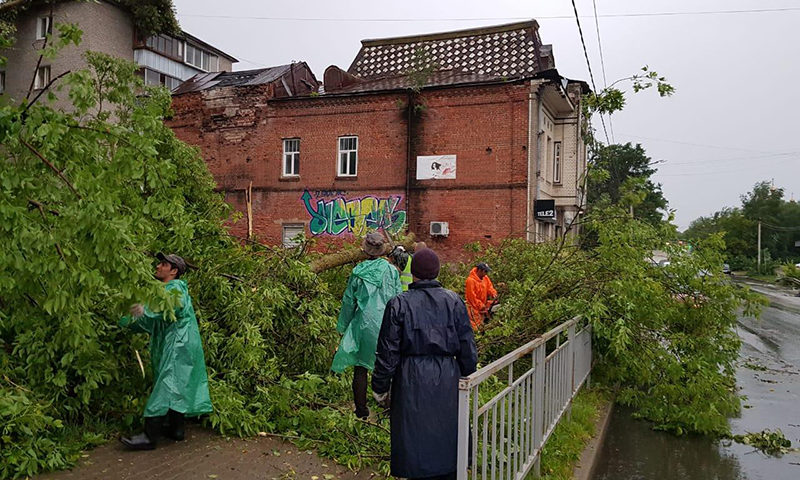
[(176, 353), (371, 285)]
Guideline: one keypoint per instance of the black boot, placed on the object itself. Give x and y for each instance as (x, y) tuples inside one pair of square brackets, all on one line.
[(147, 439), (173, 428)]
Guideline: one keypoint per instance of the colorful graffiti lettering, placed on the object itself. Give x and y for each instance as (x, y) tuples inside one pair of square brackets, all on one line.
[(357, 216)]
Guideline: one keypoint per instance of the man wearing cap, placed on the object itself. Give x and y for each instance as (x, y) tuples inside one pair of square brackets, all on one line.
[(371, 285), (425, 345), (480, 294), (180, 387)]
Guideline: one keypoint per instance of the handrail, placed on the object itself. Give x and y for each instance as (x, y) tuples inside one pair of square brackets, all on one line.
[(485, 372), (506, 434)]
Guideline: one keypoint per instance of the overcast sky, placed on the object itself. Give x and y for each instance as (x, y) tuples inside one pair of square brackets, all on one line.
[(731, 123)]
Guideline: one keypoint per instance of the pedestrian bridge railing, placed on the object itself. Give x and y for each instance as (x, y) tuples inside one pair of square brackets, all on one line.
[(501, 438)]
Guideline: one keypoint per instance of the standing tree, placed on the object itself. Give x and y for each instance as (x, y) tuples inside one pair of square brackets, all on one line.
[(624, 180)]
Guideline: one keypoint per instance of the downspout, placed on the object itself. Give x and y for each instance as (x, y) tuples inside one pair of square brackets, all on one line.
[(409, 121)]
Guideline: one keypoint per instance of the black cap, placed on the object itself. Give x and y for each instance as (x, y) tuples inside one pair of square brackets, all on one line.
[(483, 266), (173, 260)]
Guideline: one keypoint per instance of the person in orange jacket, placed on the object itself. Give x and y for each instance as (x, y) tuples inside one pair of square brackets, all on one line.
[(480, 294)]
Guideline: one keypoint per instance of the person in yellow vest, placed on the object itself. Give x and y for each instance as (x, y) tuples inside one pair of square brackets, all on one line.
[(401, 259)]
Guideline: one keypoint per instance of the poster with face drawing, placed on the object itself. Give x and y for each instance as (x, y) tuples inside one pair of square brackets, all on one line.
[(435, 167)]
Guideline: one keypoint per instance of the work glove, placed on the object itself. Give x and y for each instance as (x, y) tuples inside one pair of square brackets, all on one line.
[(383, 399), (137, 310)]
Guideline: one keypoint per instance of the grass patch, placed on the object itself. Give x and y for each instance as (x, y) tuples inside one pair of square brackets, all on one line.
[(763, 277), (571, 435)]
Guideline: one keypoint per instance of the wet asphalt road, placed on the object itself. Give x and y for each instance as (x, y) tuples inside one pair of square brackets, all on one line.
[(771, 344)]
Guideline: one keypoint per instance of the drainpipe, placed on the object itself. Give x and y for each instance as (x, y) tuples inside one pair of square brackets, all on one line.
[(409, 121)]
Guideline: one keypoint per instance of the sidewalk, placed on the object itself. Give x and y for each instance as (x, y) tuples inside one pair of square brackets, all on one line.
[(206, 455)]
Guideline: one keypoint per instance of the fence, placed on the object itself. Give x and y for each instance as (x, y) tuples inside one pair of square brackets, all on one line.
[(502, 438)]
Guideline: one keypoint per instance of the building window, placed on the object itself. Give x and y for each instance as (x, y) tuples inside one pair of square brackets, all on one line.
[(169, 46), (348, 156), (291, 234), (44, 27), (201, 59), (557, 162), (152, 77), (2, 82), (42, 78), (291, 157)]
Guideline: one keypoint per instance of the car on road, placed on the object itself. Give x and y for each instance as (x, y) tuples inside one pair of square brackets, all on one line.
[(726, 269)]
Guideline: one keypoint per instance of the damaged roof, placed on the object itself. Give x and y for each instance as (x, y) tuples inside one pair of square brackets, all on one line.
[(512, 50), (205, 81)]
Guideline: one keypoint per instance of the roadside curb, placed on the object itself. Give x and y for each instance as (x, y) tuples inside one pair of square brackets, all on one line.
[(587, 464)]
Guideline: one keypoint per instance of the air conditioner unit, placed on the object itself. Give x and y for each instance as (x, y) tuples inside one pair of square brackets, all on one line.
[(440, 229)]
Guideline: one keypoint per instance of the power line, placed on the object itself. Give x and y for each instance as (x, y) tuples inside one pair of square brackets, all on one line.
[(480, 19), (715, 172), (588, 64), (602, 64), (705, 145), (701, 163), (779, 228)]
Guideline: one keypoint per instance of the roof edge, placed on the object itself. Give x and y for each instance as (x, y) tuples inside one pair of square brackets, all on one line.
[(532, 23), (189, 36)]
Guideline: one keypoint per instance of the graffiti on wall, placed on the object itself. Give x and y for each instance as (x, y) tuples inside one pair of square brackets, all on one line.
[(339, 215)]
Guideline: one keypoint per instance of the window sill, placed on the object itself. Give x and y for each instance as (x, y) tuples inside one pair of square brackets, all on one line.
[(346, 178), (289, 178)]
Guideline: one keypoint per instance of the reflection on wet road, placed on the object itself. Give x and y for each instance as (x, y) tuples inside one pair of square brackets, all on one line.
[(768, 375)]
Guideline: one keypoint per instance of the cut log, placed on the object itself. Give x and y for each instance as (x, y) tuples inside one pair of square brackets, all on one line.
[(355, 255)]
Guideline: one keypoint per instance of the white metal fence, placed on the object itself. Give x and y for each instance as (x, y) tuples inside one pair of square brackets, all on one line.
[(501, 438)]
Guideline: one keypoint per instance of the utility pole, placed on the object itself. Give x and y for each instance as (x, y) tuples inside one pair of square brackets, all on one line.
[(759, 246)]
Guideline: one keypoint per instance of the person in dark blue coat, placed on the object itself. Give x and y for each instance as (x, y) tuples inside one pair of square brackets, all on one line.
[(425, 345)]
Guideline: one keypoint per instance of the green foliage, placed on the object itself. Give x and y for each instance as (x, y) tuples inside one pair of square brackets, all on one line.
[(153, 16), (612, 99), (772, 443), (665, 335), (740, 226), (621, 175)]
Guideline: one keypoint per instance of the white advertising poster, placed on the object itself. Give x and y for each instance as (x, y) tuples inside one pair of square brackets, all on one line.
[(436, 167)]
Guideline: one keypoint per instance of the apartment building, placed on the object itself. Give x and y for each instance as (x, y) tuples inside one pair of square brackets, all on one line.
[(458, 136), (108, 28)]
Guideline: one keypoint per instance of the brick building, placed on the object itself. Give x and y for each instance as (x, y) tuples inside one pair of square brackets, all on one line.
[(108, 28), (462, 136)]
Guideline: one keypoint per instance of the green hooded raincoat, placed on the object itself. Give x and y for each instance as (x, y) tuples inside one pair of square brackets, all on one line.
[(176, 355), (371, 285)]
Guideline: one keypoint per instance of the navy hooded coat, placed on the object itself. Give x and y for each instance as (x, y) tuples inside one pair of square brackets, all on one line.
[(425, 345)]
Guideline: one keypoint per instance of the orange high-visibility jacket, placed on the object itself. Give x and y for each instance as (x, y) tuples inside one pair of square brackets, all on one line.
[(477, 291)]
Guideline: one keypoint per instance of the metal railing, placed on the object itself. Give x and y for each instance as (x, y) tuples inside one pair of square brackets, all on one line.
[(502, 438)]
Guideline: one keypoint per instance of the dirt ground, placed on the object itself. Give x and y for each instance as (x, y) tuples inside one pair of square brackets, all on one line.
[(206, 455)]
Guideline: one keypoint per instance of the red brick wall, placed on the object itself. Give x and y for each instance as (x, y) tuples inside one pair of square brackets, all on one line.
[(240, 135)]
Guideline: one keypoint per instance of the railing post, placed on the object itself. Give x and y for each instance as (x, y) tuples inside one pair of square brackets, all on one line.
[(538, 406), (571, 367), (463, 429)]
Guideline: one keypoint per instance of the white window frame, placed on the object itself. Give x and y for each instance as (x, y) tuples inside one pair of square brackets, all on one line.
[(351, 156), (42, 77), (291, 157), (557, 162), (287, 242), (44, 26), (205, 57)]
